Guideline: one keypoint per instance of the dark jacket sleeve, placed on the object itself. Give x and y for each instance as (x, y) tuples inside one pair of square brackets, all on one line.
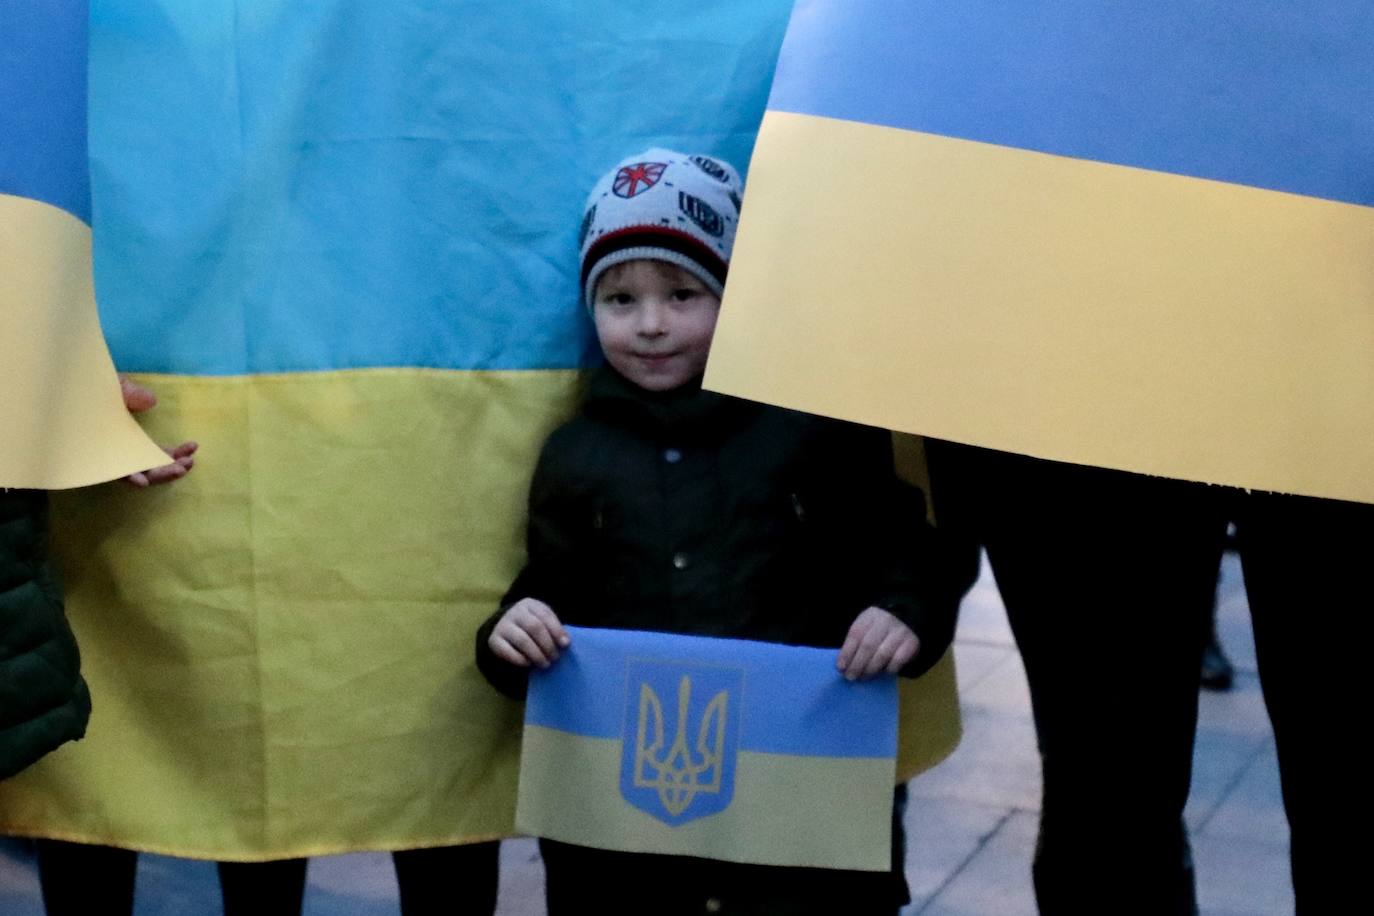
[(911, 568), (549, 567)]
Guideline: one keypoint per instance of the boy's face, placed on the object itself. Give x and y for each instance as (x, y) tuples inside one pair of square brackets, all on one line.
[(655, 322)]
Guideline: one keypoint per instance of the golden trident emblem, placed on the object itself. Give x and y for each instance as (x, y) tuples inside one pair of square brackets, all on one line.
[(678, 775)]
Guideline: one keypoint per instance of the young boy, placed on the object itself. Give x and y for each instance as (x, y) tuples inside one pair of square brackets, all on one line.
[(665, 507)]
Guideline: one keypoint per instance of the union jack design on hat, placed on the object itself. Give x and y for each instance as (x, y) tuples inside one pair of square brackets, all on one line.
[(665, 206), (629, 178)]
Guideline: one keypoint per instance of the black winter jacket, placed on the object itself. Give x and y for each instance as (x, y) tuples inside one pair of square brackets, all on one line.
[(43, 699), (693, 512)]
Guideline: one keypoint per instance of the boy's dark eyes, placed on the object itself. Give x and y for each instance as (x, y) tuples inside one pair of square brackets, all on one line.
[(682, 294)]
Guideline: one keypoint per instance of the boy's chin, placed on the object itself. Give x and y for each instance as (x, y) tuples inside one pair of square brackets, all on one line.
[(656, 381), (664, 378), (659, 385)]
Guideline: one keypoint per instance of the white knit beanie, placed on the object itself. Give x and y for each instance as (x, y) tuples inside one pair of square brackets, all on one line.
[(666, 206)]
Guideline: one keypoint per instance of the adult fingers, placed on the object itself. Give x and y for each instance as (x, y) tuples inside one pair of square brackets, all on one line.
[(136, 397), (165, 474), (184, 450)]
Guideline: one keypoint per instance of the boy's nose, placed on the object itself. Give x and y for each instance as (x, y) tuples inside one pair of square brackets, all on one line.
[(652, 321)]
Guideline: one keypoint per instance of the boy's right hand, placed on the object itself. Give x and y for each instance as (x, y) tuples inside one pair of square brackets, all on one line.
[(529, 633)]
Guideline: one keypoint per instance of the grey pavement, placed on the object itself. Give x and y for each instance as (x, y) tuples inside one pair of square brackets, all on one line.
[(971, 821)]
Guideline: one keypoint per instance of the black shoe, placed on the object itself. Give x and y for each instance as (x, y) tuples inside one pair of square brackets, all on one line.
[(1217, 670)]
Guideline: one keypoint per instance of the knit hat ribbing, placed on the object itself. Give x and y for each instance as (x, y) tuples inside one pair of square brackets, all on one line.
[(666, 206)]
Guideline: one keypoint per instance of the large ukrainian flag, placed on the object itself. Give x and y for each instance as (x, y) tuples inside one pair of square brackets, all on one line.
[(718, 748), (1130, 234), (62, 422), (338, 239)]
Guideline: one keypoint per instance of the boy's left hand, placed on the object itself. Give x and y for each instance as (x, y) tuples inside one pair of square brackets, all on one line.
[(877, 642)]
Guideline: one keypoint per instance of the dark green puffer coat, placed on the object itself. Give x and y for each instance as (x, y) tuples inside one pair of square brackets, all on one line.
[(43, 699)]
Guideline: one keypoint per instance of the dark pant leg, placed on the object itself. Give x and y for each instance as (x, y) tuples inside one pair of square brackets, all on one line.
[(579, 880), (263, 888), (1106, 578), (448, 880), (1309, 590), (80, 879)]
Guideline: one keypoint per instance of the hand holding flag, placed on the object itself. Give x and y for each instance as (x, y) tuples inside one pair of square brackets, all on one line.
[(529, 633), (877, 642)]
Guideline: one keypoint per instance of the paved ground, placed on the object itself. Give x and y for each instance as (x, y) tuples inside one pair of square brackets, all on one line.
[(971, 821)]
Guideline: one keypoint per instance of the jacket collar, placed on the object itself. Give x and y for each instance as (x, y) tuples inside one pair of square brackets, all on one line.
[(687, 414)]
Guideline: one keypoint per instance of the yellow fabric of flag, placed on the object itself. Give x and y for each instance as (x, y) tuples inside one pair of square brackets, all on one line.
[(280, 646)]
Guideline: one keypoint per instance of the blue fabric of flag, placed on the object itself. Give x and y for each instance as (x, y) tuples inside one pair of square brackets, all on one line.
[(1263, 93), (337, 185), (43, 104), (794, 699)]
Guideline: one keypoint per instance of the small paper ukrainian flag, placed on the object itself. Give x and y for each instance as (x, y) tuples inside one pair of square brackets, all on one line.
[(718, 748)]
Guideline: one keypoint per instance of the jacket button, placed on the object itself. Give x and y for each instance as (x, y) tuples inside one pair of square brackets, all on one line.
[(680, 561), (672, 455)]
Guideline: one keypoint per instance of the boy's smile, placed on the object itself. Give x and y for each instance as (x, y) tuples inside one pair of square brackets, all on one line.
[(655, 322)]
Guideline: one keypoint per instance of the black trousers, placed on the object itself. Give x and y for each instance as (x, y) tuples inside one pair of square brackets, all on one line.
[(580, 881), (1107, 578), (1310, 601), (86, 880)]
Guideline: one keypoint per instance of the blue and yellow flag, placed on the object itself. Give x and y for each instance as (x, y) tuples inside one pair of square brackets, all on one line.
[(1136, 234), (63, 421), (717, 748), (339, 240)]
